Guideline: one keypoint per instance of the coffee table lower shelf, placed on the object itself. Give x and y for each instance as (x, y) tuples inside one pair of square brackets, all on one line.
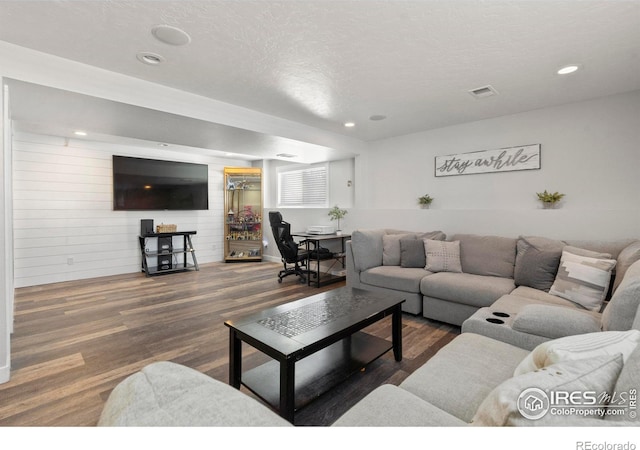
[(319, 372)]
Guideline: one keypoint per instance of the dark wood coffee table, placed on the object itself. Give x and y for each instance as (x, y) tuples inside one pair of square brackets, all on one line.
[(315, 344)]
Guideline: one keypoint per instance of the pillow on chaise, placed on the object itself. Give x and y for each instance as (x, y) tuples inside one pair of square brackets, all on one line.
[(504, 404), (580, 346), (583, 280)]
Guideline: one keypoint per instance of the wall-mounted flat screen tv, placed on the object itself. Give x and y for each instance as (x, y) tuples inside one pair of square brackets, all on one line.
[(150, 184)]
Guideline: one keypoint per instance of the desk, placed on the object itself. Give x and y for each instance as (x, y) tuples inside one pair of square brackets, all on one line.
[(314, 241)]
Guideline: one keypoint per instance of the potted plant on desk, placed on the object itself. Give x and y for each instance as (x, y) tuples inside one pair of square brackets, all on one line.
[(336, 213)]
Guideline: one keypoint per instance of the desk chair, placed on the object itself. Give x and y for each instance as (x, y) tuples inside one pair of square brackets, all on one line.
[(293, 257)]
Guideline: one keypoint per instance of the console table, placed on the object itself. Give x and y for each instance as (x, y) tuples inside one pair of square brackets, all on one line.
[(314, 241), (166, 257)]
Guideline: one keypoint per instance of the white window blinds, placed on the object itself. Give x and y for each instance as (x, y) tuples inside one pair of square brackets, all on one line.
[(308, 187)]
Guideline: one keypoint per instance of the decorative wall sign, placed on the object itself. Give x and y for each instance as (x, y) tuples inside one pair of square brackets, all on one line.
[(526, 157)]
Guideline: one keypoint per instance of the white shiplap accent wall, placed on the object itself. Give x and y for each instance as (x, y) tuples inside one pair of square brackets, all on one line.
[(63, 210)]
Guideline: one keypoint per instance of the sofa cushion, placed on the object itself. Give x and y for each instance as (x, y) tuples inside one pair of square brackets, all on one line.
[(544, 297), (390, 406), (585, 252), (442, 256), (581, 346), (487, 255), (624, 306), (612, 247), (537, 261), (412, 253), (391, 248), (554, 321), (513, 306), (466, 288), (462, 373), (366, 246), (395, 277), (626, 258), (504, 404), (168, 394), (583, 279)]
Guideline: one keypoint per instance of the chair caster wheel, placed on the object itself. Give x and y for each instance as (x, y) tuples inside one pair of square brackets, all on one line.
[(279, 280)]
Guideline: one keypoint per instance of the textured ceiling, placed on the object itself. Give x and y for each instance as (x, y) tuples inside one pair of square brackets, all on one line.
[(322, 63)]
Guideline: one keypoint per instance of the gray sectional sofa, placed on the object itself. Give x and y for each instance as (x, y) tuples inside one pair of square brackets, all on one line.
[(491, 267)]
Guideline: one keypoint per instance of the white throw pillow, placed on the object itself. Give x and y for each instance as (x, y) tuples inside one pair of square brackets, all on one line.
[(583, 280), (442, 256), (501, 407), (580, 346)]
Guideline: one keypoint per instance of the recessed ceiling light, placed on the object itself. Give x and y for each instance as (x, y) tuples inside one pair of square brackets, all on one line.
[(349, 124), (170, 35), (566, 70), (80, 133), (152, 59), (377, 117)]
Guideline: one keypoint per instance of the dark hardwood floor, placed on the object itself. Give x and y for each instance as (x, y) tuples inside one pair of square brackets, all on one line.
[(74, 341)]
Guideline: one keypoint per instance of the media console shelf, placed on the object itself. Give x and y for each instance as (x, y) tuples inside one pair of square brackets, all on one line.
[(166, 258)]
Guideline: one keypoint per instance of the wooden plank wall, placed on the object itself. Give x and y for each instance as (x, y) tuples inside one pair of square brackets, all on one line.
[(64, 224)]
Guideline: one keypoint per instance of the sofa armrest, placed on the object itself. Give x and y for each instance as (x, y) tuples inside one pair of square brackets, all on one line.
[(554, 321), (167, 394), (353, 274)]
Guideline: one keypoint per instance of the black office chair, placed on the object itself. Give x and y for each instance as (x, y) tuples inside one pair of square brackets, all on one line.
[(293, 258)]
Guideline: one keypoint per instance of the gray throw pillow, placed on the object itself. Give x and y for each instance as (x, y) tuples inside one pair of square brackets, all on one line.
[(412, 253), (391, 248), (537, 262)]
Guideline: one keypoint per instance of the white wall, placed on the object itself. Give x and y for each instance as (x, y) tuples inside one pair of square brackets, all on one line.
[(63, 209), (590, 152)]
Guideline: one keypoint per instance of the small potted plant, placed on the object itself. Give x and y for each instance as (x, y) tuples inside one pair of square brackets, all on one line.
[(425, 201), (336, 213), (549, 200)]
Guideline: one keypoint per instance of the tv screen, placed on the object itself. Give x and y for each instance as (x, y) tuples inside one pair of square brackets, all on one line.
[(150, 184)]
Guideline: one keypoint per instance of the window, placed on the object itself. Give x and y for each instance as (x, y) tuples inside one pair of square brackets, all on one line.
[(304, 188)]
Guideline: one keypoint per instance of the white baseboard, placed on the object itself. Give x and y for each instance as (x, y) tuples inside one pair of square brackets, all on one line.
[(5, 374)]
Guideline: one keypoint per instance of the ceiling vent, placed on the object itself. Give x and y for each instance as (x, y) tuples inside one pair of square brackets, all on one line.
[(286, 155), (484, 91)]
